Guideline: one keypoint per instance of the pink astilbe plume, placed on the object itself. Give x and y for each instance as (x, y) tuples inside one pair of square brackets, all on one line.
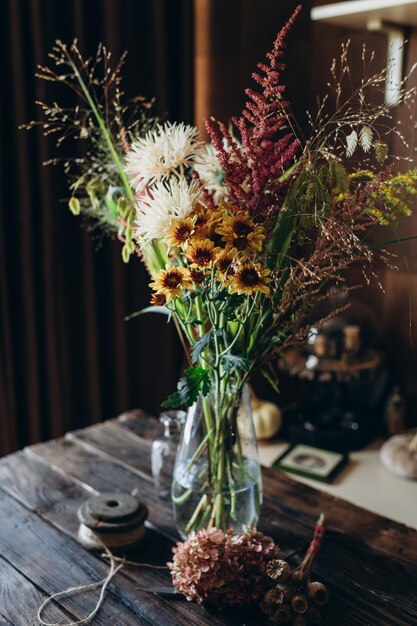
[(265, 148)]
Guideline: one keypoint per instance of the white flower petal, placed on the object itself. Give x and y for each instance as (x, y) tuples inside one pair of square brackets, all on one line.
[(160, 153), (162, 202), (210, 171)]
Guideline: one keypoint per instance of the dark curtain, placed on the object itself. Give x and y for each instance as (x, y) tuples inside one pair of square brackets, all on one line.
[(67, 357), (224, 64)]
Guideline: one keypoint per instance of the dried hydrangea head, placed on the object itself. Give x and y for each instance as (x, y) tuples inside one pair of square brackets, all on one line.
[(221, 568)]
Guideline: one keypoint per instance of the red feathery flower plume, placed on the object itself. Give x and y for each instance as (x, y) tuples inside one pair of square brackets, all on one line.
[(266, 148)]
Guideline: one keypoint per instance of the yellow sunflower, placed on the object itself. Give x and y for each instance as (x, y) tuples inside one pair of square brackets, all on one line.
[(179, 232), (241, 234), (201, 253), (249, 278), (224, 265), (171, 282), (158, 298), (197, 275), (206, 222)]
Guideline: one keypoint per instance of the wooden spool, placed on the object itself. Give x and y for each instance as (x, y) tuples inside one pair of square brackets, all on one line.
[(116, 520)]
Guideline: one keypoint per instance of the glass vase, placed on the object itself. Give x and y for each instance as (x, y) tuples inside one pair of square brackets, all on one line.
[(217, 478)]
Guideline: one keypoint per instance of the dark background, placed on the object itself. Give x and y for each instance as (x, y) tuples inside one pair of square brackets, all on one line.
[(67, 357)]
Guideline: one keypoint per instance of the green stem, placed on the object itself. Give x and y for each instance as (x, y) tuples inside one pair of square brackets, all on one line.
[(203, 502), (106, 135), (115, 155)]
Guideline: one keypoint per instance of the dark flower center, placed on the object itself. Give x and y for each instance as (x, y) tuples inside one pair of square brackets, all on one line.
[(158, 299), (202, 257), (242, 229), (201, 220), (182, 233), (223, 265), (240, 243), (171, 281), (197, 276), (250, 277)]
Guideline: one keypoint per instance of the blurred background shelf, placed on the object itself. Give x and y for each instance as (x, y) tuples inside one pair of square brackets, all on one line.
[(358, 13)]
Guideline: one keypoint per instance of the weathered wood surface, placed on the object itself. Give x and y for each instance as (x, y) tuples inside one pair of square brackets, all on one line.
[(368, 562)]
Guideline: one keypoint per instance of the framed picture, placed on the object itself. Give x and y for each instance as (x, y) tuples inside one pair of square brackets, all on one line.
[(311, 462)]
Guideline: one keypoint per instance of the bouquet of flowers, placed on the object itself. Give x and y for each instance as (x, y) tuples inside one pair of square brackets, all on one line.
[(243, 236)]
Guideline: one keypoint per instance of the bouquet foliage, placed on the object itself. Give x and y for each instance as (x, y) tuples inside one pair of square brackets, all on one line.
[(244, 236)]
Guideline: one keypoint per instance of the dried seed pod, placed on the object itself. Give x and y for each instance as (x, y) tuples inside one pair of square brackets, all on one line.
[(286, 591), (267, 607), (299, 603), (313, 615), (318, 593), (281, 615), (274, 596), (298, 580), (278, 569)]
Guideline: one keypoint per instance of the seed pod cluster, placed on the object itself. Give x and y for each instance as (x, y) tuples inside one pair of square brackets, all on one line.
[(294, 599)]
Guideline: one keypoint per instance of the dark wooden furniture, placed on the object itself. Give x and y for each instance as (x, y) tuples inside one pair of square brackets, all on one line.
[(368, 562)]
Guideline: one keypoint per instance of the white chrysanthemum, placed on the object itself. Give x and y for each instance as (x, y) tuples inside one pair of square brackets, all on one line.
[(161, 152), (210, 171), (162, 202)]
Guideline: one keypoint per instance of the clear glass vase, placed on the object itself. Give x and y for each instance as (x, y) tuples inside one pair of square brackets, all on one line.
[(217, 479)]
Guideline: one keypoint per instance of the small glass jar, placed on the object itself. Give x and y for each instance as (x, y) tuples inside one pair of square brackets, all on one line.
[(164, 450)]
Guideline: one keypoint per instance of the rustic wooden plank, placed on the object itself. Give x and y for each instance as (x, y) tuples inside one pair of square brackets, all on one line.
[(368, 587), (115, 443), (285, 495), (97, 473), (52, 496), (54, 563), (54, 507), (80, 462), (140, 423), (14, 586)]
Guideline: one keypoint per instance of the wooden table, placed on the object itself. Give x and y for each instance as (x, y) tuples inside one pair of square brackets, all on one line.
[(368, 562)]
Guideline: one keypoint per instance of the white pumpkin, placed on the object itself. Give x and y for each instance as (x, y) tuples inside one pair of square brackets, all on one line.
[(399, 457), (267, 418)]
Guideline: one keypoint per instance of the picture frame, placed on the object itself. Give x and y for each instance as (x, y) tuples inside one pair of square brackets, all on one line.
[(310, 462)]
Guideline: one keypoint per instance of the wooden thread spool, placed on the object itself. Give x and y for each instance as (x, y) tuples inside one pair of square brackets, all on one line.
[(116, 520)]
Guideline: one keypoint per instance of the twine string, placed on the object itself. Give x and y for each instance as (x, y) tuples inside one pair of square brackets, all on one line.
[(103, 583), (115, 564)]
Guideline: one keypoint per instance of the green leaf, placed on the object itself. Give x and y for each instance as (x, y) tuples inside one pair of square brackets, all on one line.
[(149, 309), (288, 172), (231, 361), (196, 380), (270, 375), (126, 253), (111, 206), (200, 344), (365, 138), (351, 143), (280, 241), (381, 151), (74, 205)]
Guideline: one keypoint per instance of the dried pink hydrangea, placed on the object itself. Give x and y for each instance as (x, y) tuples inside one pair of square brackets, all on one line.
[(222, 568)]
